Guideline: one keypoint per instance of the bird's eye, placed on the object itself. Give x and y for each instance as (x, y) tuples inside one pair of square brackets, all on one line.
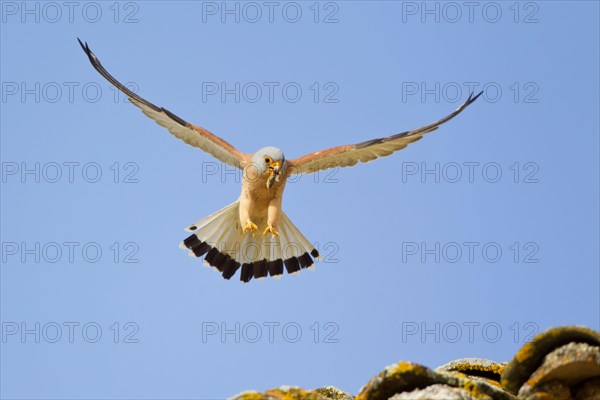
[(268, 159)]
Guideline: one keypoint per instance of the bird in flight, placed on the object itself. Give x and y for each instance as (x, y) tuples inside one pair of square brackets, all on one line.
[(253, 233)]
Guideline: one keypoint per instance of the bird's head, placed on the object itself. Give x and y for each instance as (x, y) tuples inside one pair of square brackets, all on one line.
[(270, 162)]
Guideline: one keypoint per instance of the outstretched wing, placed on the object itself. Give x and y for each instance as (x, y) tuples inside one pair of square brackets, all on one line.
[(351, 154), (191, 134)]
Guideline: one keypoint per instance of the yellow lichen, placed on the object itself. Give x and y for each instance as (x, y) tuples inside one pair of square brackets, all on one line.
[(525, 352), (401, 367), (250, 396)]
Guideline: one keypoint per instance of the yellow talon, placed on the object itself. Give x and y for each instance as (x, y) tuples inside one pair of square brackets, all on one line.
[(250, 226), (272, 230)]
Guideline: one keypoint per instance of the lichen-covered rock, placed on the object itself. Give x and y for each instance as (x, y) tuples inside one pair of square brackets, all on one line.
[(551, 390), (282, 393), (559, 364), (570, 365), (531, 356), (334, 393), (398, 378), (406, 377), (435, 392), (588, 390), (251, 395), (475, 368)]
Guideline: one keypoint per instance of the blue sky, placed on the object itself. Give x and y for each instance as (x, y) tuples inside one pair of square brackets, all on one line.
[(464, 244)]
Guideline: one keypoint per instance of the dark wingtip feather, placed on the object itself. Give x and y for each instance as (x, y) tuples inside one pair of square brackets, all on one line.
[(94, 60), (98, 67), (86, 50), (81, 44), (470, 100), (174, 117), (475, 98)]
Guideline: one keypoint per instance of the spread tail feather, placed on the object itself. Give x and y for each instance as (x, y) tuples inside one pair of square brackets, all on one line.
[(221, 240)]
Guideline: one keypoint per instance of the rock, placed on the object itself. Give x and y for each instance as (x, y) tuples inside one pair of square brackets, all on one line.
[(435, 392), (282, 393), (551, 390), (570, 365), (588, 390), (560, 364), (334, 393), (475, 368), (531, 356), (406, 377)]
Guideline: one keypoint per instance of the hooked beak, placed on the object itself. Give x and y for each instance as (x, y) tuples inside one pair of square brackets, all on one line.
[(273, 170), (276, 166)]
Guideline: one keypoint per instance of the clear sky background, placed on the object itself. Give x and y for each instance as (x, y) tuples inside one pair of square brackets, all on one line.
[(398, 282)]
